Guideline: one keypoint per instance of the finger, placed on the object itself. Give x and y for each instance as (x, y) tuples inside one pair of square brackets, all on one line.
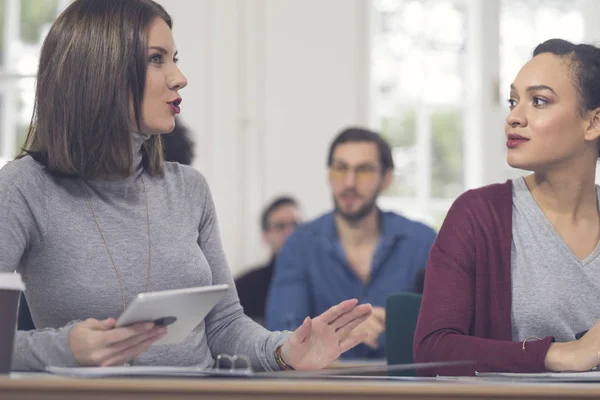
[(302, 332), (352, 341), (371, 343), (111, 351), (131, 353), (379, 313), (338, 310), (135, 340), (120, 334), (349, 327), (107, 324), (102, 325), (358, 311), (378, 326)]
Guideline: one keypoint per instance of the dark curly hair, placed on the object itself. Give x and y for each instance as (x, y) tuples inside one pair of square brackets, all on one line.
[(584, 63), (177, 145)]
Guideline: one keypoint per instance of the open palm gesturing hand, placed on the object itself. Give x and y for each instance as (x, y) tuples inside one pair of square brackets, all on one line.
[(319, 341)]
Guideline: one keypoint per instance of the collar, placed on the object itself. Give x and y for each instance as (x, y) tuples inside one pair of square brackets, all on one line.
[(392, 227)]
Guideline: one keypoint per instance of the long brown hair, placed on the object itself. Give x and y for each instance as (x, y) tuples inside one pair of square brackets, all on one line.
[(92, 68)]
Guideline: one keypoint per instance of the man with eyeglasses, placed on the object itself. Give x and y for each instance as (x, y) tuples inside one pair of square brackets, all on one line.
[(278, 220), (355, 251)]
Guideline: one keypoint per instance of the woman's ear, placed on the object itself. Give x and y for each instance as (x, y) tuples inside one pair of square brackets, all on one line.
[(592, 132)]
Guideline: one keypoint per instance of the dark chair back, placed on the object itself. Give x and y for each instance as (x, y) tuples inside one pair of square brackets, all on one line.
[(401, 313), (24, 320)]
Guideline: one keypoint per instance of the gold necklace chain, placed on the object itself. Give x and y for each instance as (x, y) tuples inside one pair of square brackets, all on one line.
[(106, 244)]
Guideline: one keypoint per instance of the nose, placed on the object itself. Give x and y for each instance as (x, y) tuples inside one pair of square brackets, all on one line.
[(516, 117), (177, 80), (350, 179)]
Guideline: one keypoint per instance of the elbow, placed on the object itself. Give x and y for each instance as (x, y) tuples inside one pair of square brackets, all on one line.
[(424, 353), (422, 350)]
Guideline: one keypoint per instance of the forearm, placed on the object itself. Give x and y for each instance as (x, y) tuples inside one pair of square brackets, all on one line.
[(488, 355), (35, 350), (242, 336)]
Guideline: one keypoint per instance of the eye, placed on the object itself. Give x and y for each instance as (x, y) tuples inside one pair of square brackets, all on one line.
[(157, 59), (538, 101), (175, 60), (512, 103)]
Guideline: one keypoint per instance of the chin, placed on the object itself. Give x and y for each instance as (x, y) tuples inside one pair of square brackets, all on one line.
[(159, 130), (519, 163)]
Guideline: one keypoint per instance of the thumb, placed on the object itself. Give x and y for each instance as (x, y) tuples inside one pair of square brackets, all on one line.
[(303, 331), (104, 325)]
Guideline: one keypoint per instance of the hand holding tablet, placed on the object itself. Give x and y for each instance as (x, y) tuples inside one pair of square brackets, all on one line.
[(150, 319), (181, 310)]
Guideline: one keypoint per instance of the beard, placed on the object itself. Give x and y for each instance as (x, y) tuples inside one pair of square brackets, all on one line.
[(358, 215)]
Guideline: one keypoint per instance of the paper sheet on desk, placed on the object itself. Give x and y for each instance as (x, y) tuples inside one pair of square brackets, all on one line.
[(589, 376), (142, 371), (155, 371)]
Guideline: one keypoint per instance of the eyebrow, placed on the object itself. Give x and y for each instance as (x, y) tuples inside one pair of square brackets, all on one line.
[(162, 50), (535, 88), (345, 164)]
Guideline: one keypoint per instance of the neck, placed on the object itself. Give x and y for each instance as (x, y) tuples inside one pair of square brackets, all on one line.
[(137, 141), (569, 193), (359, 232)]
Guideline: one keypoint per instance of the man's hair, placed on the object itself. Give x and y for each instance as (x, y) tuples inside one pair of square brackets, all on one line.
[(274, 205), (356, 134), (92, 70), (177, 145)]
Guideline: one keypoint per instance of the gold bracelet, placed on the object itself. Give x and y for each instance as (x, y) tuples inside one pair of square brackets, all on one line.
[(527, 339), (281, 362)]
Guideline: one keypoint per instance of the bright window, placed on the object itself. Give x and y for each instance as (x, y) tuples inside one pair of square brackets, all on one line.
[(25, 24), (420, 65)]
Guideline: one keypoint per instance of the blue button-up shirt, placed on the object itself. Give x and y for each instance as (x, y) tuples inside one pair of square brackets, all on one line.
[(312, 272)]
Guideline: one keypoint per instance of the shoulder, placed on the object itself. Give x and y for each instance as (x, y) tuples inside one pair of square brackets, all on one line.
[(486, 210), (483, 203), (310, 232), (25, 174), (494, 194), (315, 227), (195, 183), (406, 225)]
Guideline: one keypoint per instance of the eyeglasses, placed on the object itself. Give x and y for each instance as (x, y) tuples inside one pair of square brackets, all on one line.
[(282, 226), (362, 173)]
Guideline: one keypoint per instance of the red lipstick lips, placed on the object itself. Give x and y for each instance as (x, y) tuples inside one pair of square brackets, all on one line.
[(175, 105)]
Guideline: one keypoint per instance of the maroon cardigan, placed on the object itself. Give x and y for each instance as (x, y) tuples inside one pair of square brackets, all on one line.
[(466, 308)]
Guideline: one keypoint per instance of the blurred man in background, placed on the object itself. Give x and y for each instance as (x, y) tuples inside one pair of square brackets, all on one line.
[(278, 220), (355, 251)]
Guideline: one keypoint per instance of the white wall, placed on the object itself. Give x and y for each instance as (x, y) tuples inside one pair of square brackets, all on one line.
[(270, 83)]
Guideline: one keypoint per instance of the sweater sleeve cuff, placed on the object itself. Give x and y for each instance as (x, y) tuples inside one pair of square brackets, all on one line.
[(283, 337), (539, 349), (36, 350)]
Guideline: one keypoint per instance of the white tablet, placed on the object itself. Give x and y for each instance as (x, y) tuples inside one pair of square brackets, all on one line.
[(181, 309)]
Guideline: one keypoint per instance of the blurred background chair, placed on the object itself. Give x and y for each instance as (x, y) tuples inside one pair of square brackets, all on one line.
[(24, 321), (402, 311)]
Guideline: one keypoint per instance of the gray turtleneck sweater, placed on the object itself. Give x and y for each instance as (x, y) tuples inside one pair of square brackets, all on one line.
[(48, 234)]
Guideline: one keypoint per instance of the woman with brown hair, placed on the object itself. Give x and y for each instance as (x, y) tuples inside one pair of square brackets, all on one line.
[(91, 215)]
